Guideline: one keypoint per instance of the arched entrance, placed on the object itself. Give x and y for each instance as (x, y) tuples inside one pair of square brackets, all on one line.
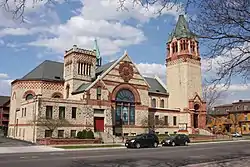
[(124, 110), (196, 116)]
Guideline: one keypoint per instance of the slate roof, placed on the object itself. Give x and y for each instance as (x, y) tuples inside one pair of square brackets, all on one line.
[(53, 71), (104, 67), (82, 88), (155, 86), (181, 30), (3, 100), (48, 70)]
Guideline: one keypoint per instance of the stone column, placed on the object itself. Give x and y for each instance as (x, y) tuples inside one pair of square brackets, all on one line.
[(196, 48), (170, 49), (189, 46), (179, 46)]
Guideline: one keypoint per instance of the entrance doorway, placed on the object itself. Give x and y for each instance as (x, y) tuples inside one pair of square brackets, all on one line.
[(99, 124), (195, 118)]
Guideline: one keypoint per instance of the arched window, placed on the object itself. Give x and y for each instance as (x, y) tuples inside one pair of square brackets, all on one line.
[(67, 91), (153, 102), (98, 93), (29, 96), (14, 96), (162, 103), (125, 107), (57, 95)]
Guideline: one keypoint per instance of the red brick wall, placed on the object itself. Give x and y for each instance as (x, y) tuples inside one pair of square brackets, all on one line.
[(67, 141)]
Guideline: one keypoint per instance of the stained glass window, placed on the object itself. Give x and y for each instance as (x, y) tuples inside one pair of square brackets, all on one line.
[(125, 96), (132, 115), (125, 109), (125, 115), (29, 96)]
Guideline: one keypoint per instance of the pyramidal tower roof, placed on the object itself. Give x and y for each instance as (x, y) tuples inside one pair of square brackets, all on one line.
[(181, 30)]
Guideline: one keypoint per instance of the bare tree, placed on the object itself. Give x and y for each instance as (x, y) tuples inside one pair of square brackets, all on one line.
[(151, 123), (213, 95), (18, 7), (51, 124), (223, 27)]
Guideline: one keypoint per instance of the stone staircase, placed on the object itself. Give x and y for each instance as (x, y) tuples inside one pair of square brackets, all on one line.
[(202, 131), (108, 138), (205, 132)]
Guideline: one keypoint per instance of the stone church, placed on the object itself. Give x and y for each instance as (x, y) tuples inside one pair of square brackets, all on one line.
[(112, 98)]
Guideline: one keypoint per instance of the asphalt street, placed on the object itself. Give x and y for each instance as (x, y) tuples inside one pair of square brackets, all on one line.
[(8, 142), (147, 157)]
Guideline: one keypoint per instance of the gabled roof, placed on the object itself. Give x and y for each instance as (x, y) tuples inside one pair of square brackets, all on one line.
[(104, 67), (155, 86), (181, 30), (47, 70), (3, 100), (103, 74), (82, 88)]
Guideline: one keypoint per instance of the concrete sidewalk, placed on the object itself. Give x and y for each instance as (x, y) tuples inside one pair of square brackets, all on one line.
[(27, 149)]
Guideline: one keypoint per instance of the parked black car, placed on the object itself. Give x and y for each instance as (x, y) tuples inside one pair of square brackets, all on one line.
[(143, 140), (179, 139)]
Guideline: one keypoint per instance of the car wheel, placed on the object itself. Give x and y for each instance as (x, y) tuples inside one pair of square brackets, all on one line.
[(173, 143), (186, 143), (138, 145), (155, 144)]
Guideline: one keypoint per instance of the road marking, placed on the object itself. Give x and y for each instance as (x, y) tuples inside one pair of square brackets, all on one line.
[(56, 153), (34, 156)]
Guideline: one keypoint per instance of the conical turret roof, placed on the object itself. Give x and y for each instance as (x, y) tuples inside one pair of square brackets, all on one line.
[(181, 30)]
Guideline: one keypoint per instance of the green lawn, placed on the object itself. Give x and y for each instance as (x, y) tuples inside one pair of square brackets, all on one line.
[(89, 146)]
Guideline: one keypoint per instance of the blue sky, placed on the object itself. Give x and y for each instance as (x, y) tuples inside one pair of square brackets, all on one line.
[(48, 30)]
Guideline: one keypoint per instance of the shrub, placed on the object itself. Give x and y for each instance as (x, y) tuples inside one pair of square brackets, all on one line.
[(79, 135), (84, 134), (90, 135)]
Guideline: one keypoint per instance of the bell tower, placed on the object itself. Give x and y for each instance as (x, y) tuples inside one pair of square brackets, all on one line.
[(183, 66), (79, 68)]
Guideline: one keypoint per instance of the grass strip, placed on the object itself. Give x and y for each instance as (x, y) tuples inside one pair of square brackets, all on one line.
[(90, 146), (207, 141)]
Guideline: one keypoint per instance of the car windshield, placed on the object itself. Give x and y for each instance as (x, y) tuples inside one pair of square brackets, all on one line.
[(139, 136)]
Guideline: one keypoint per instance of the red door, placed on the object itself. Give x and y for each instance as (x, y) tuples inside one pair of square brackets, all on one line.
[(99, 124)]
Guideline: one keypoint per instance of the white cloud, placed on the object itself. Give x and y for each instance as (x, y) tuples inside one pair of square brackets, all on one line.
[(2, 42), (21, 31), (107, 25), (3, 75), (112, 36), (152, 70), (109, 10), (233, 87)]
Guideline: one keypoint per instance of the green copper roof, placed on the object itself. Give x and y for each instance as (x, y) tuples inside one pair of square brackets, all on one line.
[(181, 30), (97, 50)]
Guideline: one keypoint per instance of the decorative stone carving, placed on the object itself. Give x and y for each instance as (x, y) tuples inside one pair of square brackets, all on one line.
[(126, 71)]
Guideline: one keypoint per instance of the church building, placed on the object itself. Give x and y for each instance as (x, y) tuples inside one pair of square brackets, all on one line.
[(112, 98)]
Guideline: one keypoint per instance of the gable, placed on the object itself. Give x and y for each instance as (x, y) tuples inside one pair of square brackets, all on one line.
[(126, 71)]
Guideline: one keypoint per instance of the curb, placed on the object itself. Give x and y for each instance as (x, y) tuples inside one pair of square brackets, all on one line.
[(217, 142), (112, 148)]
